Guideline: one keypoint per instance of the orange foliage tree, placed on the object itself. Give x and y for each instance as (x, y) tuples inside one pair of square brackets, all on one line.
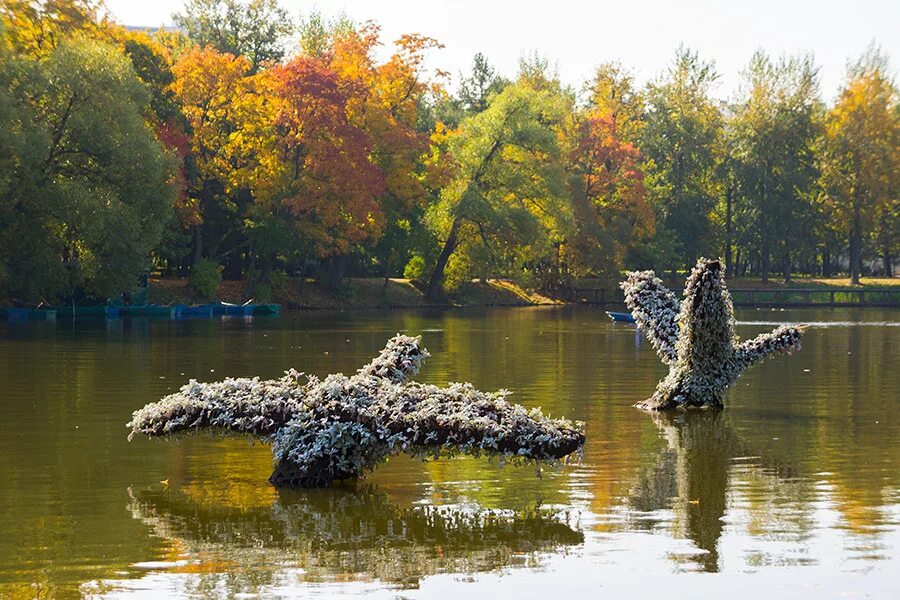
[(606, 186)]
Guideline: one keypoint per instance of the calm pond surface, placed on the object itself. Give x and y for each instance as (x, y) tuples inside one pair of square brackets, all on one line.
[(792, 491)]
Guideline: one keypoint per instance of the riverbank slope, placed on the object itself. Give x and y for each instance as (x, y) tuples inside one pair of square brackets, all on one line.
[(359, 293)]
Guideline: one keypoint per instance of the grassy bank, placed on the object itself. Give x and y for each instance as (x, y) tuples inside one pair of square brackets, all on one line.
[(747, 283), (358, 293), (747, 291)]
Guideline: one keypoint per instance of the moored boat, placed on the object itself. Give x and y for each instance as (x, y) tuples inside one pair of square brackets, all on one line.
[(200, 311), (148, 310), (620, 317), (14, 314), (41, 315), (266, 309), (103, 310), (237, 310)]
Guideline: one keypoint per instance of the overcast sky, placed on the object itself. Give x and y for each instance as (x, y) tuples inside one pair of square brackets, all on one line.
[(641, 35)]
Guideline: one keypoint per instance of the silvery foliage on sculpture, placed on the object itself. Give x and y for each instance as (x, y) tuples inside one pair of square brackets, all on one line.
[(339, 427), (696, 337)]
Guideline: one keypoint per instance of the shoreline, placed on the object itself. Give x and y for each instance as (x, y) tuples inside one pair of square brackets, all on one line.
[(361, 294)]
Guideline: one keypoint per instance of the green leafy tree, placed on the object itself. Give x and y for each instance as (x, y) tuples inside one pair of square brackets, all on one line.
[(679, 138), (256, 29), (476, 88), (89, 188), (775, 129), (508, 180)]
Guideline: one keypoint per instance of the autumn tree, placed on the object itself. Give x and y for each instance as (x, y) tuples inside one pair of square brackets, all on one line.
[(860, 160), (328, 180), (606, 188), (613, 92), (775, 129), (254, 29), (231, 120), (384, 101), (36, 27)]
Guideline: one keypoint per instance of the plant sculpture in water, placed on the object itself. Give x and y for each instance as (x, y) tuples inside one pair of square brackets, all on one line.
[(339, 427), (696, 339)]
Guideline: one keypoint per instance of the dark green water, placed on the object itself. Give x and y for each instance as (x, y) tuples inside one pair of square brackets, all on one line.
[(793, 491)]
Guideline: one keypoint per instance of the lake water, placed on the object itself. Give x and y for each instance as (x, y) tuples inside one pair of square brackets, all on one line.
[(793, 491)]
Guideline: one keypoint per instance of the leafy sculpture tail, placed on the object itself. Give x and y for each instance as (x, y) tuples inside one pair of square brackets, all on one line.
[(696, 337), (339, 427)]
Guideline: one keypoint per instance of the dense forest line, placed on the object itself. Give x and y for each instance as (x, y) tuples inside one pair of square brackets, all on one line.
[(248, 144)]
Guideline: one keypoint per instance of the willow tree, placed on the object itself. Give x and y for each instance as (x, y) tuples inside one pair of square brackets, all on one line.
[(861, 159), (508, 180), (88, 189)]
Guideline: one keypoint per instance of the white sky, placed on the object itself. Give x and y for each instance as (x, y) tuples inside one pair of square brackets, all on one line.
[(641, 35)]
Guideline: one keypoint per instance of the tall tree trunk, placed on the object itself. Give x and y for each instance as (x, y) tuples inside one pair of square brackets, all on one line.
[(729, 267), (338, 266), (436, 281), (302, 275), (856, 246), (887, 263), (786, 266), (765, 258), (826, 261), (198, 244)]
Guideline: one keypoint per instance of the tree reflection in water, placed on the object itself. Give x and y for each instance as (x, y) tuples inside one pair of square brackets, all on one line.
[(346, 533), (690, 477)]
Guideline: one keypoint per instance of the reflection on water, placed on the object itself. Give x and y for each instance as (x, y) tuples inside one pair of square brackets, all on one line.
[(797, 479), (344, 533), (690, 476)]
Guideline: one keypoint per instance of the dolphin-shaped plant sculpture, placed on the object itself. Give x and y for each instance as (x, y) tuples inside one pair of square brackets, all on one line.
[(339, 427), (696, 339)]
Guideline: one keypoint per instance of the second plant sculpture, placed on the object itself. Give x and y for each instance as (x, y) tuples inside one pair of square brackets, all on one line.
[(339, 427), (695, 337)]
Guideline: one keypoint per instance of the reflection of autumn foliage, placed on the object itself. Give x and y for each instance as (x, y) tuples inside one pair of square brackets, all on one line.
[(341, 533)]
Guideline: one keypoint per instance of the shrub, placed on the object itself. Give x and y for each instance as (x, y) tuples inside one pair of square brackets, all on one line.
[(457, 273), (415, 271), (204, 280)]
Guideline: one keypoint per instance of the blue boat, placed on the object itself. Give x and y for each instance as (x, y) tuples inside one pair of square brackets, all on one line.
[(42, 315), (621, 317), (204, 311), (25, 314), (148, 310), (15, 314), (68, 312), (231, 310), (266, 309), (237, 310)]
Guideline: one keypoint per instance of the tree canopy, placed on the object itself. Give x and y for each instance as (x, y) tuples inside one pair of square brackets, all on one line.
[(262, 143)]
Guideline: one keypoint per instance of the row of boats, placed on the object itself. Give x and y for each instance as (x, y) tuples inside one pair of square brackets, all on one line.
[(172, 311)]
